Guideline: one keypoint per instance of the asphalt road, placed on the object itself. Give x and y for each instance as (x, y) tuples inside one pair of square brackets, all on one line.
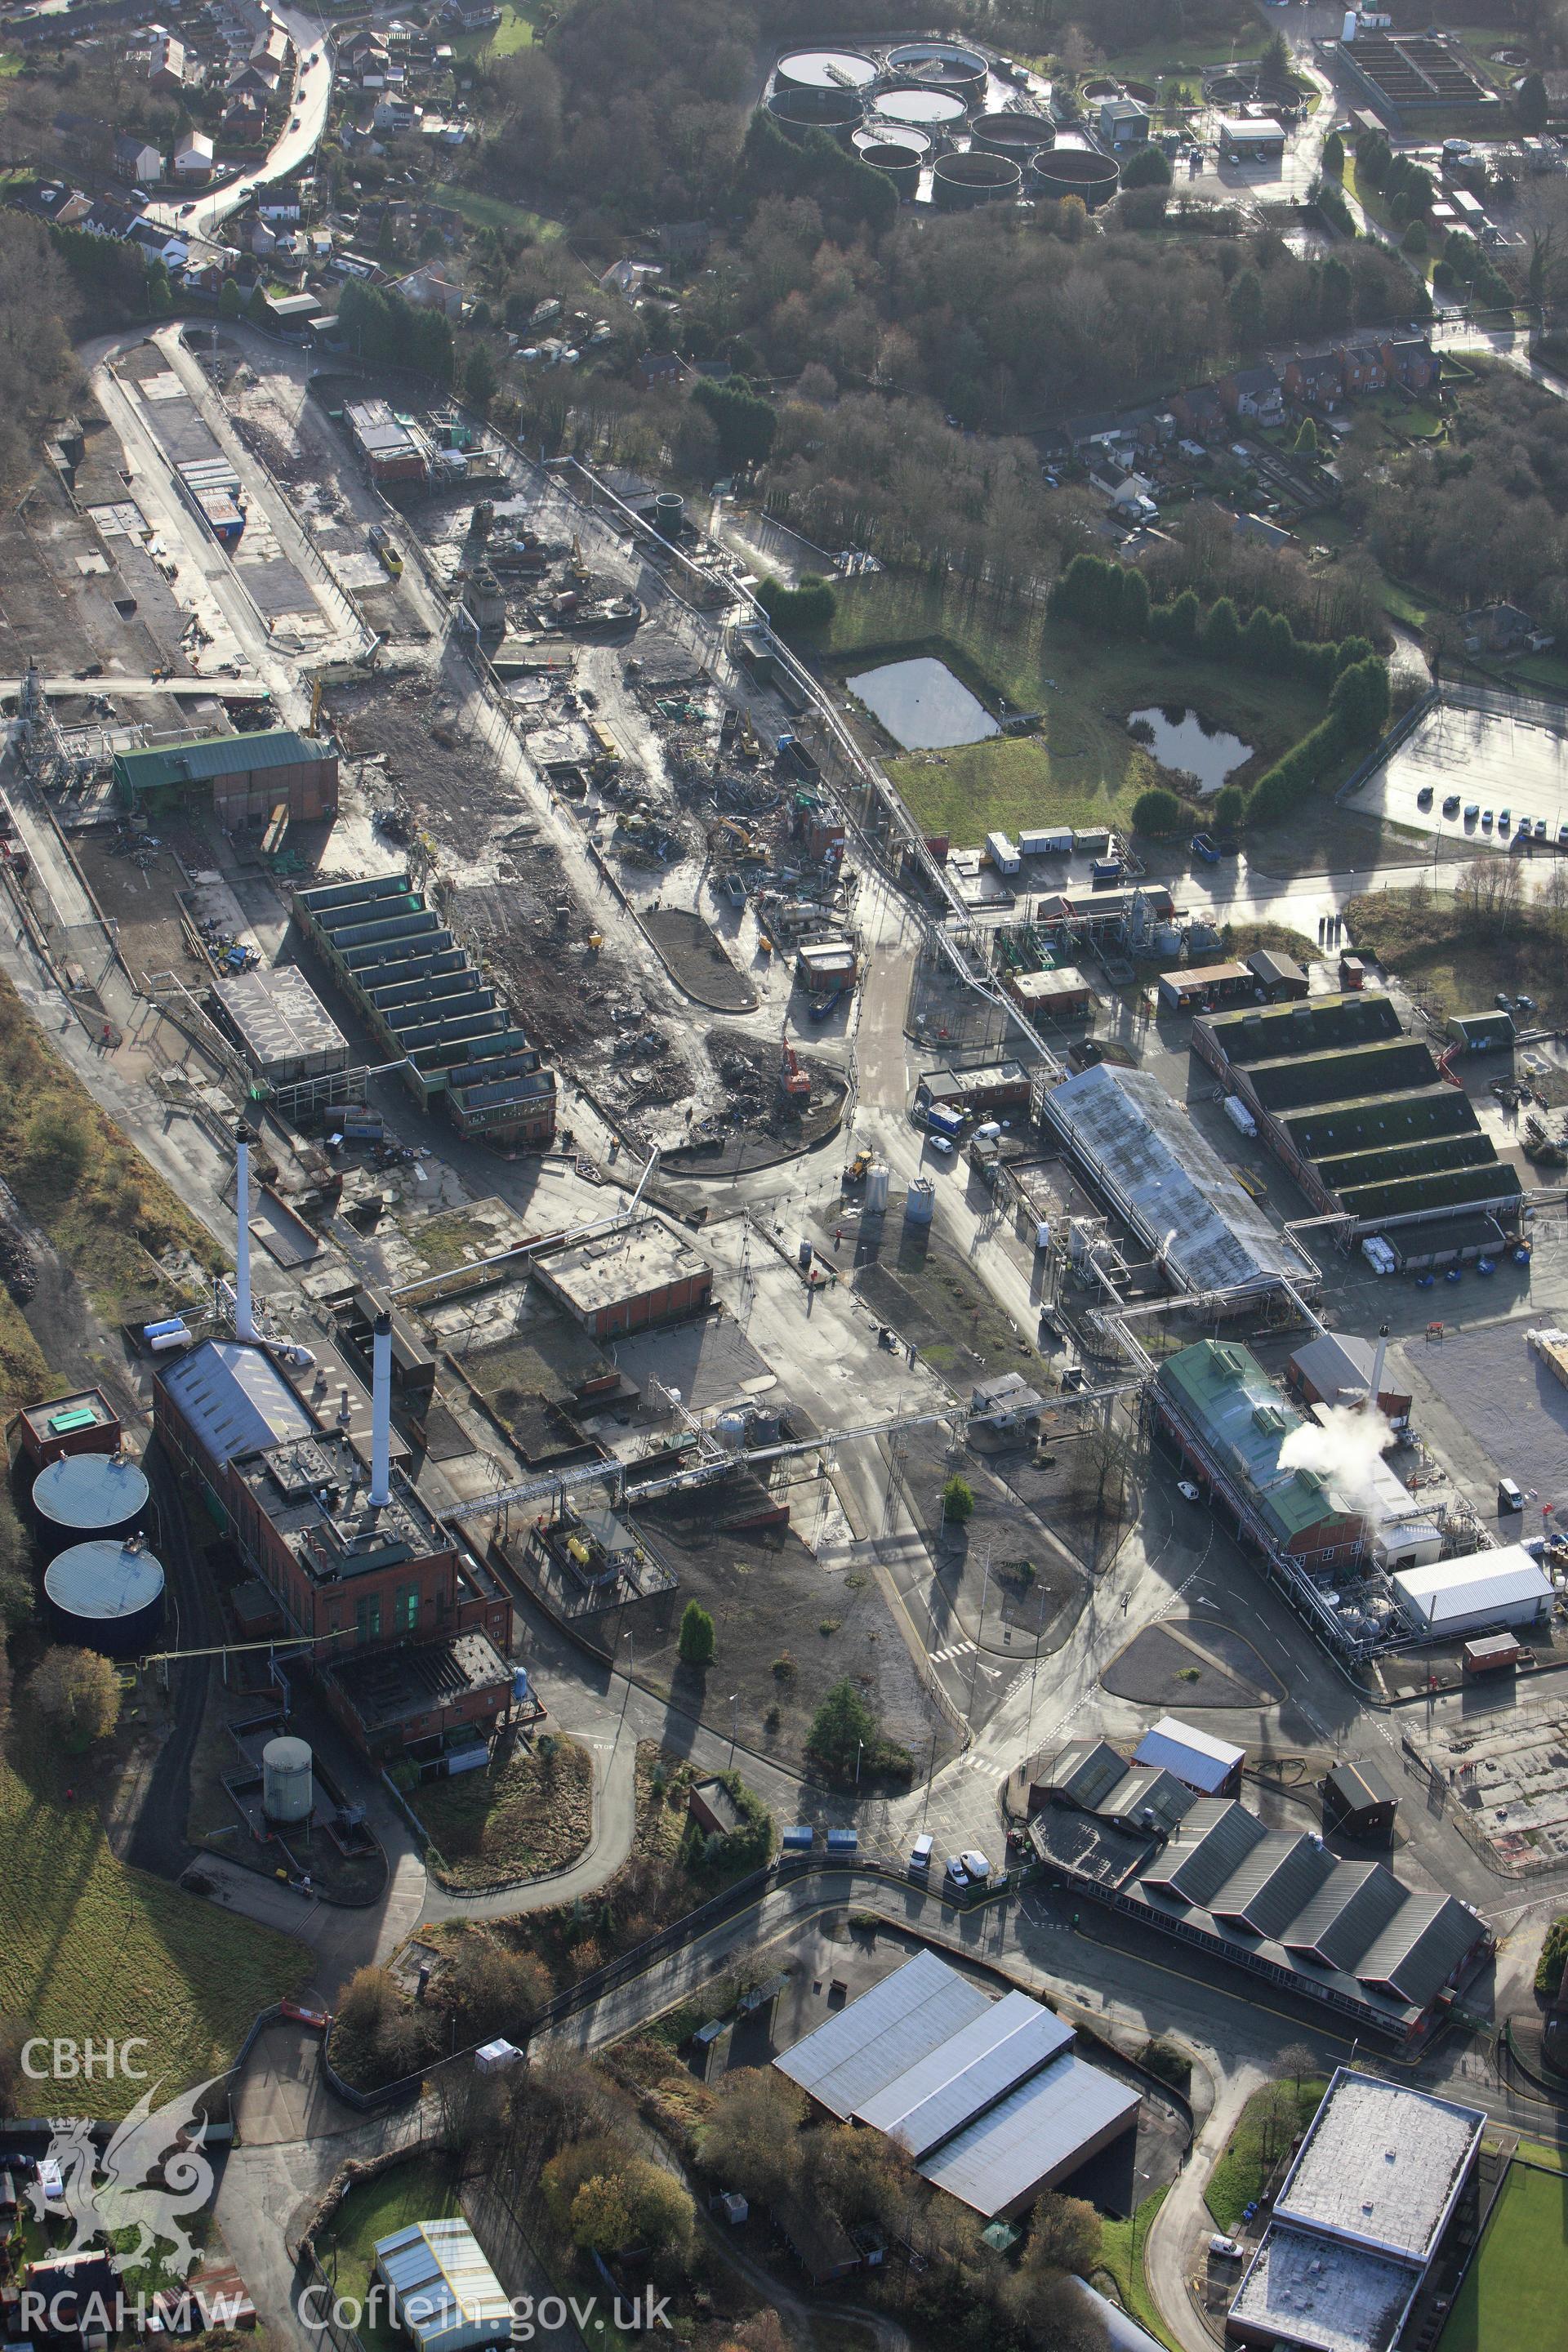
[(204, 215)]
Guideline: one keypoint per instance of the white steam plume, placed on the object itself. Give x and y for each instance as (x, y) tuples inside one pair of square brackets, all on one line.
[(1345, 1443)]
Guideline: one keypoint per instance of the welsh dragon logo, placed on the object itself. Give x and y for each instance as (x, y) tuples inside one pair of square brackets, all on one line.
[(154, 2171)]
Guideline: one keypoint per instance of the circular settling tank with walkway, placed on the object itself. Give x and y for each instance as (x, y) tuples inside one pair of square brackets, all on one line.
[(1007, 132), (105, 1596), (1076, 171), (937, 113), (823, 69), (900, 163), (943, 65)]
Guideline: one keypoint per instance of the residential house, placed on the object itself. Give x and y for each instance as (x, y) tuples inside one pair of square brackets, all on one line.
[(1364, 370), (1503, 629), (683, 240), (53, 200), (1200, 413), (628, 276), (1315, 381), (242, 120), (160, 244), (429, 291), (137, 161), (252, 80), (658, 368), (166, 67), (107, 219), (194, 158), (1253, 394), (1410, 361)]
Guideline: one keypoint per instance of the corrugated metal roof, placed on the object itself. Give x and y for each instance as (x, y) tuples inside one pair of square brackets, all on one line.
[(1195, 1757), (235, 1400), (973, 2068), (1176, 1189), (1148, 1788), (880, 2036), (202, 758), (1088, 1770), (447, 2296), (1453, 1590), (1421, 1946), (279, 1015), (1213, 1842), (1281, 1875), (1318, 1024), (1347, 1914), (1032, 2138)]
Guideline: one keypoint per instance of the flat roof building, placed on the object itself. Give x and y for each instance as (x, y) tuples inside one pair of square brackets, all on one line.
[(641, 1273), (1375, 2184), (280, 1025), (1063, 994), (82, 1422), (387, 447), (985, 2095)]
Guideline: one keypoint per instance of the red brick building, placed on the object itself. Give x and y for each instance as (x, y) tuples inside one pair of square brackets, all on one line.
[(407, 1634), (638, 1274)]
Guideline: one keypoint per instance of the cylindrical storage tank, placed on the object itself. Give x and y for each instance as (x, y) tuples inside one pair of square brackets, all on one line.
[(943, 65), (1074, 171), (85, 1496), (935, 111), (1007, 133), (876, 132), (823, 69), (1144, 93), (668, 513), (1347, 30), (287, 1785), (961, 182), (729, 1428), (919, 1205), (798, 112), (876, 1187), (1093, 91), (901, 167), (106, 1596)]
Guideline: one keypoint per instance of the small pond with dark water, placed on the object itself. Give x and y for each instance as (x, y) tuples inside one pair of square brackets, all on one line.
[(922, 706), (1186, 741)]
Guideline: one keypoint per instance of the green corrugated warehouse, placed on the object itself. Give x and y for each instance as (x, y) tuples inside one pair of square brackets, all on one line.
[(245, 778)]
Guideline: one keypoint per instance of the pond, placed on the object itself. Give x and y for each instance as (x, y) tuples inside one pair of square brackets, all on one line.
[(1186, 741), (922, 706)]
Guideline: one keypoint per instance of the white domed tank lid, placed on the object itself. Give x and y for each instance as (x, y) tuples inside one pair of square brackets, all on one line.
[(288, 1791)]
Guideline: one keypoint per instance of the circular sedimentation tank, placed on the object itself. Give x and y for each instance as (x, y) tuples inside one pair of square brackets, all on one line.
[(941, 65), (1100, 88), (915, 144), (961, 182), (1006, 132), (798, 112), (1076, 171), (88, 1495), (106, 1596), (934, 111), (823, 69), (1144, 93), (900, 163)]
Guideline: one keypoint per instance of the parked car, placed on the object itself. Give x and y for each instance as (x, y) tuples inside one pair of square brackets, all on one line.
[(942, 1143), (957, 1877), (1188, 1492), (920, 1854), (1228, 2247), (976, 1866)]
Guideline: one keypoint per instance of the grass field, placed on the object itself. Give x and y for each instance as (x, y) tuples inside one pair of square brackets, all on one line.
[(1516, 2290), (481, 211), (1417, 934), (1122, 2253), (514, 32), (533, 1814), (87, 1946), (1082, 767), (1238, 2176), (423, 2190)]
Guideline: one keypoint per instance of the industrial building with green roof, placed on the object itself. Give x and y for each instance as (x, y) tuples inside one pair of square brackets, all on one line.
[(245, 778), (1358, 1112)]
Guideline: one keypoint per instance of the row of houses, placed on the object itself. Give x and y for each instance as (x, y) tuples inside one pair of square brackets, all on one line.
[(1321, 380)]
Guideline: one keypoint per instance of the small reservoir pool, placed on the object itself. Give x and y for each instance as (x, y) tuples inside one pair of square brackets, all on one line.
[(1184, 741), (922, 706)]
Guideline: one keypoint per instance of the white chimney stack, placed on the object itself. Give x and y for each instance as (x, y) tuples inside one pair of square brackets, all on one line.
[(243, 1320), (381, 1414), (1376, 1390)]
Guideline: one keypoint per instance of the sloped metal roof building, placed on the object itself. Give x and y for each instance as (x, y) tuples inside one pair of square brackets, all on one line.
[(1144, 1158), (443, 2291), (986, 2095)]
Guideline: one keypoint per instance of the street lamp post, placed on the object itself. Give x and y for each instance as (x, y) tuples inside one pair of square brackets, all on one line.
[(735, 1724)]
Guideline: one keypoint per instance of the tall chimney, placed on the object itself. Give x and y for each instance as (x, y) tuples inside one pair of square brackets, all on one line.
[(1376, 1389), (243, 1320), (381, 1414)]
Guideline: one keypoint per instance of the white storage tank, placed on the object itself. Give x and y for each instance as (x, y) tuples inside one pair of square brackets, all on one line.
[(1347, 31), (287, 1789), (876, 1186), (920, 1203), (729, 1428)]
